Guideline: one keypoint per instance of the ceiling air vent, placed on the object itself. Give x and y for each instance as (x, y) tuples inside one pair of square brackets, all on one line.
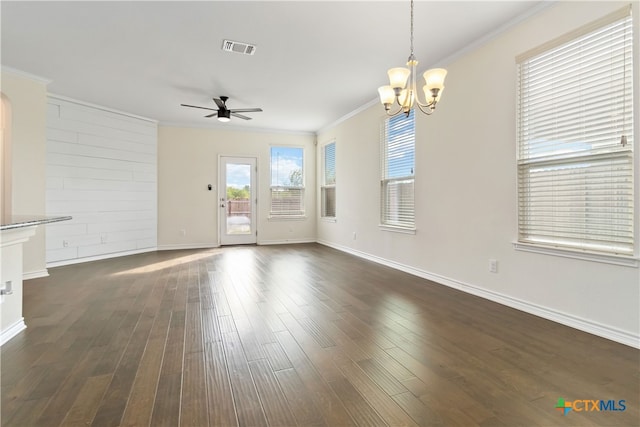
[(238, 47)]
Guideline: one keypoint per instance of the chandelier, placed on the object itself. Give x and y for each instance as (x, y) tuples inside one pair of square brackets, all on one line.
[(407, 97)]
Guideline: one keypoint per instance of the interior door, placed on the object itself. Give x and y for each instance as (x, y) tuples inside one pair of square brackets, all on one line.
[(237, 200)]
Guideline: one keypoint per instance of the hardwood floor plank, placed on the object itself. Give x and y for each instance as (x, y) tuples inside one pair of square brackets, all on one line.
[(221, 405), (274, 403), (210, 326), (245, 396), (332, 409), (381, 377), (166, 407), (417, 410), (316, 332), (14, 396), (66, 395), (361, 412), (300, 401), (193, 328), (143, 393), (25, 414), (320, 359), (84, 408), (376, 397), (115, 400), (276, 356), (252, 348), (194, 409)]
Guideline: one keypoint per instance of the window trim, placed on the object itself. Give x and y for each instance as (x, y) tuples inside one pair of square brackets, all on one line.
[(623, 260)]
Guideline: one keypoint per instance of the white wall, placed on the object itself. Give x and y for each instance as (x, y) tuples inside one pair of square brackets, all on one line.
[(28, 98), (466, 199), (188, 162), (102, 171)]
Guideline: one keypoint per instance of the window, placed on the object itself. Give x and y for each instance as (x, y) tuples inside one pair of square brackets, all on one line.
[(575, 141), (287, 181), (397, 180), (328, 188)]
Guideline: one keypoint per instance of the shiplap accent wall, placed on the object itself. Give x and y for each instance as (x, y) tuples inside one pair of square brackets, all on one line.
[(101, 170)]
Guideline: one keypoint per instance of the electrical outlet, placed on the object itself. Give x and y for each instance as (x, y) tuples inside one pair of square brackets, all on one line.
[(354, 235), (493, 266), (103, 238), (65, 243), (183, 232)]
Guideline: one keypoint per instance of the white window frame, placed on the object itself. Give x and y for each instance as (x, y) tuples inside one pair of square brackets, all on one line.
[(328, 185), (276, 214), (397, 216), (558, 173)]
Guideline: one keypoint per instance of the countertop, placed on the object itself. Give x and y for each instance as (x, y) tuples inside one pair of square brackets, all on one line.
[(19, 221)]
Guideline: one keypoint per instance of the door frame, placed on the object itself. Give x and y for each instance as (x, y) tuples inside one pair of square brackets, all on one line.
[(225, 239)]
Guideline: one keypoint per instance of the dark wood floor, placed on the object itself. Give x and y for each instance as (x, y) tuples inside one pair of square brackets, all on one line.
[(293, 335)]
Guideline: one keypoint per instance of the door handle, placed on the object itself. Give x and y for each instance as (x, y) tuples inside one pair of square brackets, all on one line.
[(222, 205)]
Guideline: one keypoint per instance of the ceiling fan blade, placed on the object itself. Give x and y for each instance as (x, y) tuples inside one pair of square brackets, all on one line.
[(195, 106), (211, 115), (220, 103), (240, 116), (246, 110)]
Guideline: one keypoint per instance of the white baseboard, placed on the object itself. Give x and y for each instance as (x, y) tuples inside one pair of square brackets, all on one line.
[(99, 257), (35, 274), (604, 331), (285, 241), (209, 246), (12, 331), (182, 246)]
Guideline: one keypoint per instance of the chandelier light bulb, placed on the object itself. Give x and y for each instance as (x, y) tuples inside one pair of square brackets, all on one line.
[(435, 77), (387, 95), (398, 77)]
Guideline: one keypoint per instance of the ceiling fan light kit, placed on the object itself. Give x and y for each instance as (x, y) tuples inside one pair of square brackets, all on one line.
[(407, 97), (224, 116)]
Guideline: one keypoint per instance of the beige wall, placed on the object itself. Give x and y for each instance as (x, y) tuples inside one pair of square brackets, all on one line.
[(466, 198), (188, 162), (28, 98)]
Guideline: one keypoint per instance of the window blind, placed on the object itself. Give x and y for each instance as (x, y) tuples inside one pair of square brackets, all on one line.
[(575, 142), (397, 167), (328, 189), (287, 201), (330, 164)]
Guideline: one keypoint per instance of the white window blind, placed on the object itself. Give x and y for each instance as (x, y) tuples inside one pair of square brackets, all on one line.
[(397, 167), (575, 141), (328, 189), (287, 181)]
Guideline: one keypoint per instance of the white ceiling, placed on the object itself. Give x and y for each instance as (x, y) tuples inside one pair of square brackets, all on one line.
[(315, 61)]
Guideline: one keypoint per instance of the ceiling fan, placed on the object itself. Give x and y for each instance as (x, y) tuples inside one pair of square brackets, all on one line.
[(223, 113)]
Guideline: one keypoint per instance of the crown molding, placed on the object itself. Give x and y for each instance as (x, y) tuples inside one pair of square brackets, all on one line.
[(26, 75)]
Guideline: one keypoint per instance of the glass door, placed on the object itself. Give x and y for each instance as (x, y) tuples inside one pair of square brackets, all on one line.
[(237, 200)]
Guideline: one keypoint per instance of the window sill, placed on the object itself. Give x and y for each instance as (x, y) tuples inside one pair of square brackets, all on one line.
[(328, 219), (287, 218), (626, 261), (393, 229)]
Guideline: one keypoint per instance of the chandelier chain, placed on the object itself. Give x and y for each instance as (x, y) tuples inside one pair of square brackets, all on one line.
[(411, 27)]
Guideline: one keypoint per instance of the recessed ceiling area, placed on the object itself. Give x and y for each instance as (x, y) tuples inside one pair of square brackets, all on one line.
[(315, 61)]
